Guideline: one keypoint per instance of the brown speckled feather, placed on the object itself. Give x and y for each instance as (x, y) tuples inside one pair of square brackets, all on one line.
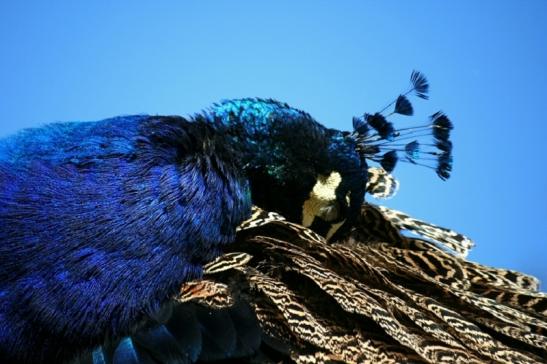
[(378, 296)]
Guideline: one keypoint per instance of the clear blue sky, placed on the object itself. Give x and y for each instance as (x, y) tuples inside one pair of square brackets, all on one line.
[(486, 62)]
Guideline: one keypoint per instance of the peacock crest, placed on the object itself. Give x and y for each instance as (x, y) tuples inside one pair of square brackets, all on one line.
[(378, 140)]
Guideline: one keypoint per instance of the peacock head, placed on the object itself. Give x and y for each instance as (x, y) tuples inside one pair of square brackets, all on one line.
[(317, 176)]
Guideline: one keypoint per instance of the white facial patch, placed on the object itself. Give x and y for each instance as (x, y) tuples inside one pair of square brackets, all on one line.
[(322, 202)]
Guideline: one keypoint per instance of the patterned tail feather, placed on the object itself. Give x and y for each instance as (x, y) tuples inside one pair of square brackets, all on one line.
[(404, 267), (435, 268), (377, 297), (354, 300), (531, 302), (451, 240), (502, 278), (472, 335)]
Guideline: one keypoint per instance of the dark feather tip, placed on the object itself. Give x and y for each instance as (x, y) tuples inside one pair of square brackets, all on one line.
[(388, 132), (444, 145), (389, 160), (374, 120), (441, 126), (403, 106), (440, 120), (360, 126), (444, 166), (441, 134), (381, 125), (412, 150), (420, 84)]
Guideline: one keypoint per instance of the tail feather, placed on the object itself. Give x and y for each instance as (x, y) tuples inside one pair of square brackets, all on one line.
[(446, 238), (284, 294), (531, 302), (502, 278)]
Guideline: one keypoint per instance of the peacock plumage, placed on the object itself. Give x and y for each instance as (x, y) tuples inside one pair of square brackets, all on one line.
[(132, 240), (283, 293)]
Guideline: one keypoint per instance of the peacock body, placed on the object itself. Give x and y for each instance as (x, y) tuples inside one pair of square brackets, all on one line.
[(132, 240)]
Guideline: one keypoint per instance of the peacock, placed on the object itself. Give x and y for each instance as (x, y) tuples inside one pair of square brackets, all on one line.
[(242, 234)]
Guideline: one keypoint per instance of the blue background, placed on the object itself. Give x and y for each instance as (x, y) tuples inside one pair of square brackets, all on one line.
[(486, 62)]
